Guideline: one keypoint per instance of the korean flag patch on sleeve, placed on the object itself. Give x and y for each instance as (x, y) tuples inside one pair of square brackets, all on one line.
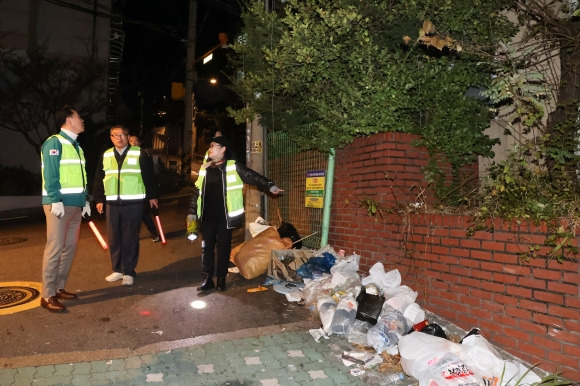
[(53, 152)]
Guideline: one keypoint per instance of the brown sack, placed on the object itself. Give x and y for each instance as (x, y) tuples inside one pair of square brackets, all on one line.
[(234, 252), (254, 256)]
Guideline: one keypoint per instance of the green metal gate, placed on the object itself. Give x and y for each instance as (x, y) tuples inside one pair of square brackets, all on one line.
[(287, 167)]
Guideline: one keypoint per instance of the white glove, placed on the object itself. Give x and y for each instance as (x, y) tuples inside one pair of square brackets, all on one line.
[(57, 208), (275, 190), (86, 210)]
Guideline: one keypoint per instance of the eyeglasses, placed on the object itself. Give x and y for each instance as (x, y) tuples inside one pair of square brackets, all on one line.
[(118, 135)]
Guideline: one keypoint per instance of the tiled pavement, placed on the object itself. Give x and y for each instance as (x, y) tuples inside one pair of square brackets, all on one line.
[(286, 358)]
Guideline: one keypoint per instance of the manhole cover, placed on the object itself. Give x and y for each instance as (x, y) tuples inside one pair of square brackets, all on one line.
[(11, 240), (18, 296)]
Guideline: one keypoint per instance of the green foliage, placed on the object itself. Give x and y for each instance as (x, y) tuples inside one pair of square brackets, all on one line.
[(524, 188), (327, 72)]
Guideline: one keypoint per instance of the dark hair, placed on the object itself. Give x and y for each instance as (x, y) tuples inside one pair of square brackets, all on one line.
[(62, 114), (125, 130)]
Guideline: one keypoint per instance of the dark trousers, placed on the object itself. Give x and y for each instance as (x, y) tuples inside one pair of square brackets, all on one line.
[(123, 226), (148, 221), (214, 231)]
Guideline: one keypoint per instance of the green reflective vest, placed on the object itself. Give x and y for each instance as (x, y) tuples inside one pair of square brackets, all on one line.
[(71, 170), (234, 190), (125, 183)]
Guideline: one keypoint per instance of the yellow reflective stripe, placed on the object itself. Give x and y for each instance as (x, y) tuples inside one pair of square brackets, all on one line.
[(229, 168), (71, 161), (126, 197), (134, 153), (71, 190), (236, 212), (235, 187), (123, 171)]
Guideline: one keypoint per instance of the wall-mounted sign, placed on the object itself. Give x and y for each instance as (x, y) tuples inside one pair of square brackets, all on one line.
[(256, 147), (315, 180)]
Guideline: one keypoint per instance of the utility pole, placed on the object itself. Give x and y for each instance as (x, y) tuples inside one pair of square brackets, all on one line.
[(189, 129)]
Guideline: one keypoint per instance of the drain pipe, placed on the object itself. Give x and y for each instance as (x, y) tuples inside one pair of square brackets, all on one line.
[(327, 199)]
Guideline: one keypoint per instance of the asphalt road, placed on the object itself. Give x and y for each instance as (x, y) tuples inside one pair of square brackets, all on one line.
[(157, 308)]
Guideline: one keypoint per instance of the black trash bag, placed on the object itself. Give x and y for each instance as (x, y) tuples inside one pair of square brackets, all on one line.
[(288, 230), (369, 307), (435, 330)]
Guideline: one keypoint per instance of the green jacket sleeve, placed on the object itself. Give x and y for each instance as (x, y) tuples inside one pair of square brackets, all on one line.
[(51, 155)]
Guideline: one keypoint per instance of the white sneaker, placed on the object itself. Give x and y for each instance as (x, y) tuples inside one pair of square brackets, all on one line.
[(127, 280), (114, 277)]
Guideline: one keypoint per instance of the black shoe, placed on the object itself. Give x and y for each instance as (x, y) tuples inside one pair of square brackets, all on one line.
[(221, 284), (206, 285), (155, 239)]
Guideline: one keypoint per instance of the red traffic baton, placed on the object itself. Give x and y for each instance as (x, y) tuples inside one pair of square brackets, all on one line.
[(98, 235), (159, 227)]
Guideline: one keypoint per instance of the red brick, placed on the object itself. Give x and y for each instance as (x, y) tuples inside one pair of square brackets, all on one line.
[(572, 350), (503, 299), (489, 266), (503, 236), (573, 278), (548, 320), (470, 300), (485, 275), (521, 336), (527, 325), (518, 291), (466, 262), (473, 283), (518, 312), (532, 349), (564, 312), (563, 360), (508, 279), (480, 294), (532, 282), (505, 341), (493, 246), (504, 320), (467, 243), (548, 297), (564, 266), (481, 255), (516, 269), (549, 344), (563, 288), (572, 325), (566, 336), (533, 306)]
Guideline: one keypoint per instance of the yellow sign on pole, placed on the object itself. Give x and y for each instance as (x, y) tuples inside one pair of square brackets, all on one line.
[(315, 180)]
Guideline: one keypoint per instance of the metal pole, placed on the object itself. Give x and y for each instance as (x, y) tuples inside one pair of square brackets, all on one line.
[(189, 135), (327, 200)]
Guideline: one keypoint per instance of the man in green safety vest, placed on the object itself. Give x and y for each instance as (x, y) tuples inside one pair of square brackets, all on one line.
[(64, 200), (124, 178), (219, 205)]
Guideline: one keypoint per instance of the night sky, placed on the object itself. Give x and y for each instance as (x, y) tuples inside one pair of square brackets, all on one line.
[(154, 53)]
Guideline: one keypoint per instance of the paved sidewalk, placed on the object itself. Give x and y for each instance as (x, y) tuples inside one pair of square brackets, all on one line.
[(284, 358)]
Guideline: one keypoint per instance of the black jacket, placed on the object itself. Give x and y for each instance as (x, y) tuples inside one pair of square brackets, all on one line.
[(248, 176)]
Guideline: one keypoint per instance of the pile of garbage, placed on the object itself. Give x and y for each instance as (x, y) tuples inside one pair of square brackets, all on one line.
[(390, 338)]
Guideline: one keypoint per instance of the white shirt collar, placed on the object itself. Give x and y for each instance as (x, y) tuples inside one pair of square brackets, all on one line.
[(122, 150), (70, 134)]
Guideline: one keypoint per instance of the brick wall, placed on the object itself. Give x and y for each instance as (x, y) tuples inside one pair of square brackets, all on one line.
[(532, 310)]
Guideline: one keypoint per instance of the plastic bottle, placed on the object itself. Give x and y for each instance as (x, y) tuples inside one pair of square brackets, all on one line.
[(344, 315), (393, 378)]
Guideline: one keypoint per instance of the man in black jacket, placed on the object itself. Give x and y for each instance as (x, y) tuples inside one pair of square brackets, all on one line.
[(124, 177), (219, 205)]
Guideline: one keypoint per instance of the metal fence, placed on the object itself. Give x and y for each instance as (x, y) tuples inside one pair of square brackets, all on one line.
[(288, 167)]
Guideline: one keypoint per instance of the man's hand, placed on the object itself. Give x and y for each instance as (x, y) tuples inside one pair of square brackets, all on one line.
[(57, 208), (86, 210), (100, 207), (275, 190)]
